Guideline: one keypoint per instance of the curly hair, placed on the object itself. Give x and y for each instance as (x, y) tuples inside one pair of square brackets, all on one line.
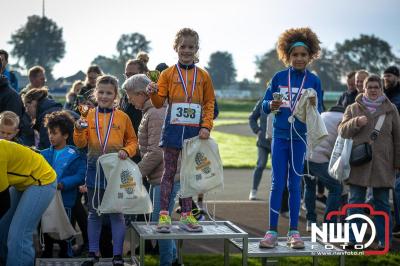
[(60, 119), (187, 32), (293, 35)]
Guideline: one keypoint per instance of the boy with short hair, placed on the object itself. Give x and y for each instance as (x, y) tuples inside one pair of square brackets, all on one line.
[(9, 126), (70, 166)]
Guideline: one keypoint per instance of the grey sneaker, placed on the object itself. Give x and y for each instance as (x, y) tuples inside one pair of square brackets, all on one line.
[(270, 240), (253, 194), (294, 240)]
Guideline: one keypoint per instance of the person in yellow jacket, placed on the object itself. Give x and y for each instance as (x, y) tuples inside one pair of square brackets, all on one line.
[(31, 183)]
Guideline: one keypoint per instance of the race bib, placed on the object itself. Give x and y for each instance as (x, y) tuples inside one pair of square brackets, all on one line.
[(188, 114), (285, 91)]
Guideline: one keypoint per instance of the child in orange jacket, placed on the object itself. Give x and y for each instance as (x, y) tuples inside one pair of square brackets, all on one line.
[(190, 94), (108, 130)]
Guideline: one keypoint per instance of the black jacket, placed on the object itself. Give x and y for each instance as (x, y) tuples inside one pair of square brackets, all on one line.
[(44, 107), (9, 99), (258, 115), (347, 98), (394, 95)]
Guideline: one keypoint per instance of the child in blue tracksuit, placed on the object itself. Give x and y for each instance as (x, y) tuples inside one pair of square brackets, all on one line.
[(296, 48), (70, 166)]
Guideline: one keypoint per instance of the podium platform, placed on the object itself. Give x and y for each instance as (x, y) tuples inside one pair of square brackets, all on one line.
[(211, 230), (312, 249), (79, 261)]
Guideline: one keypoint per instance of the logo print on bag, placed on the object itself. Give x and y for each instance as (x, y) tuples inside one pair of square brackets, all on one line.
[(128, 182), (203, 163)]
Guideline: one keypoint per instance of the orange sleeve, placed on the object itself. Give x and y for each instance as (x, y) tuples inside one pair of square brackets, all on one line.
[(81, 137), (158, 99), (130, 139), (208, 103)]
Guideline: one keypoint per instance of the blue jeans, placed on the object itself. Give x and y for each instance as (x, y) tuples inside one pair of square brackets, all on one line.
[(380, 198), (396, 200), (320, 171), (261, 163), (20, 221), (167, 248)]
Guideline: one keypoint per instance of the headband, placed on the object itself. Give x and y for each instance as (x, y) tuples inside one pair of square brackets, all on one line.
[(297, 44)]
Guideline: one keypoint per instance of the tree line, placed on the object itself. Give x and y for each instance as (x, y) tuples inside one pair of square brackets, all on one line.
[(40, 42)]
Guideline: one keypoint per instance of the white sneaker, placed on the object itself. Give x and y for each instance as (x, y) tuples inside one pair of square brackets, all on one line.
[(308, 227), (253, 194)]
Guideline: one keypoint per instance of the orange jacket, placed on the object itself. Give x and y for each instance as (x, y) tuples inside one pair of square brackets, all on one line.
[(122, 135), (170, 86)]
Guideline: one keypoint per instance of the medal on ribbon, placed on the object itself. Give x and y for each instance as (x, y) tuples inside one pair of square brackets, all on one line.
[(184, 85), (291, 118), (103, 145)]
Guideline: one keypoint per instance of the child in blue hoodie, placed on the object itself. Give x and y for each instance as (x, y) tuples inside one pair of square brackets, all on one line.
[(296, 48), (70, 166)]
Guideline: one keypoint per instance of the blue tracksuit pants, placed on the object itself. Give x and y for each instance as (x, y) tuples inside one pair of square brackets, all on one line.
[(282, 174)]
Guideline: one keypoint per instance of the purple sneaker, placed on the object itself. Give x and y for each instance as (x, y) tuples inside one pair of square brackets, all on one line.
[(270, 240)]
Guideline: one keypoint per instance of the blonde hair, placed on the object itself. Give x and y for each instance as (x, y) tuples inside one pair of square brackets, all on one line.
[(9, 118), (108, 79), (184, 33), (35, 70), (143, 56), (139, 63)]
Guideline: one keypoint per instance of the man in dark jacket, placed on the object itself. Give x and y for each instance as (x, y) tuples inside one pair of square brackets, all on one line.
[(391, 80), (9, 98), (12, 79), (263, 144), (348, 97)]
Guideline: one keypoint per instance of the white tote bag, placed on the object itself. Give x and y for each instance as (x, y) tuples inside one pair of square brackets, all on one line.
[(201, 169), (339, 163), (125, 192), (55, 221)]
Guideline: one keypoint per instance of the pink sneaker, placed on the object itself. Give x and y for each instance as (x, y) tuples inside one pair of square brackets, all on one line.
[(294, 240), (270, 240)]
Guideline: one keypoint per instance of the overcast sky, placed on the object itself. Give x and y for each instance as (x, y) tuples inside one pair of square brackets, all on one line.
[(244, 28)]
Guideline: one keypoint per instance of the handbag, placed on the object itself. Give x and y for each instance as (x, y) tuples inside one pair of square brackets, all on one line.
[(362, 153)]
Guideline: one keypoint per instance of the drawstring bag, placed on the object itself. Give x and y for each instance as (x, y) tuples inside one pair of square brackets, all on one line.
[(124, 192), (201, 168), (339, 163), (55, 221)]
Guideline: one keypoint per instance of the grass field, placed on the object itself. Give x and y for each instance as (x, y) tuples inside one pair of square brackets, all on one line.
[(391, 259), (236, 151)]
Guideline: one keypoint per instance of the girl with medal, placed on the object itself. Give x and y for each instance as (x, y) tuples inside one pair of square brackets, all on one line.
[(108, 130), (296, 48), (190, 95)]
